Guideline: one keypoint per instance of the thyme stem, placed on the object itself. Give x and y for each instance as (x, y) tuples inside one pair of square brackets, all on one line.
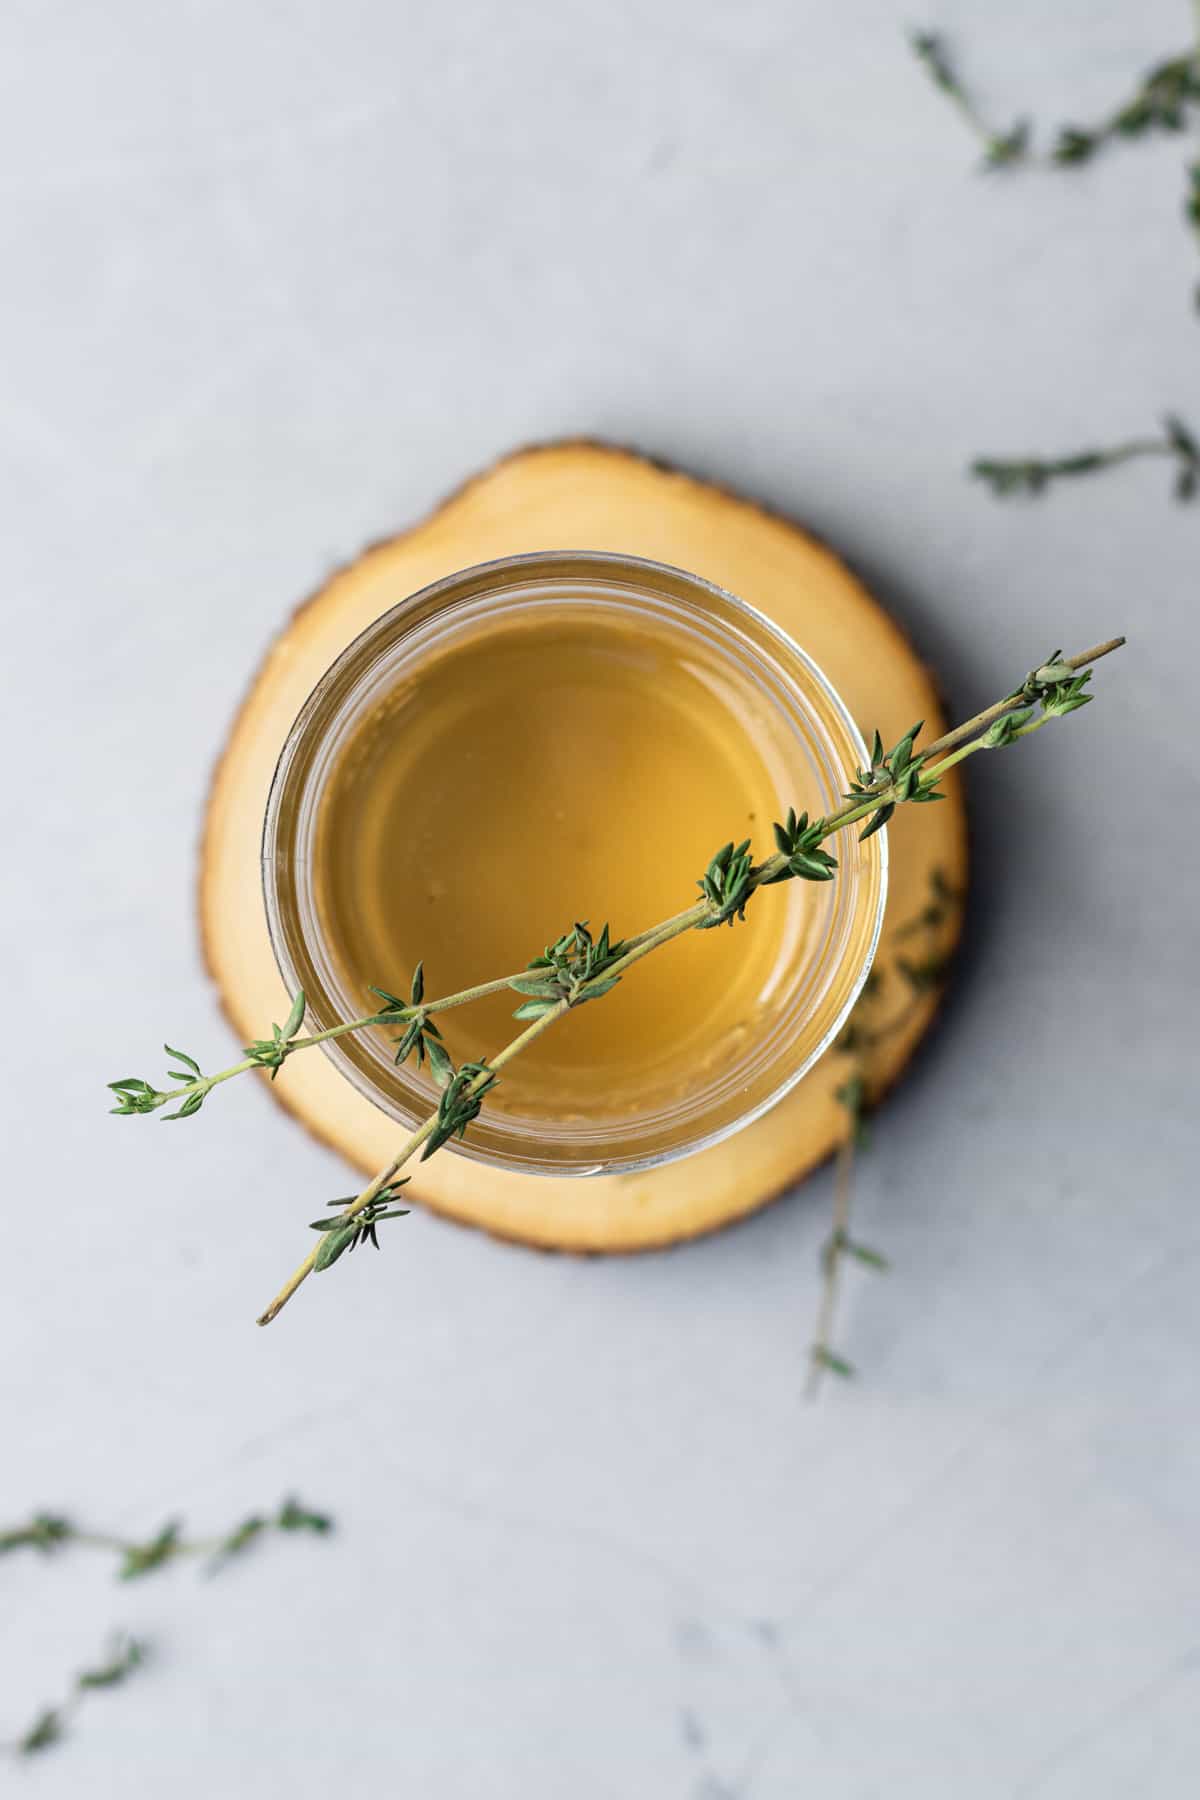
[(881, 791), (1031, 475)]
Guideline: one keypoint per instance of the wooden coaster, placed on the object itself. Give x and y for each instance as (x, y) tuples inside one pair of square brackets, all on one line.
[(569, 496)]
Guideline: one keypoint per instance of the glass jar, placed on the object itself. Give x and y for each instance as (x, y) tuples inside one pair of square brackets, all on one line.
[(801, 728)]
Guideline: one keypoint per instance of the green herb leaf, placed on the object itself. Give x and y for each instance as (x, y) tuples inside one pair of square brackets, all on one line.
[(440, 1064), (538, 987), (394, 1010), (871, 1259), (140, 1559), (46, 1730), (126, 1655), (461, 1102), (191, 1105), (334, 1244), (292, 1516), (45, 1532), (727, 885), (294, 1019), (595, 990)]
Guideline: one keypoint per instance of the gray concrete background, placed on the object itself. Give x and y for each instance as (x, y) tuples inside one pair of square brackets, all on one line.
[(275, 278)]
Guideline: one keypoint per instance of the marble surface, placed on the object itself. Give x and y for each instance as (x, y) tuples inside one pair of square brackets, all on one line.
[(275, 278)]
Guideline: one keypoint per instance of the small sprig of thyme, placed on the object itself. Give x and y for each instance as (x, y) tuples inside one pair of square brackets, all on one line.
[(1000, 148), (822, 1356), (50, 1532), (923, 974), (902, 775), (1165, 100), (1031, 475), (136, 1096), (578, 968), (1160, 103), (47, 1533), (123, 1656)]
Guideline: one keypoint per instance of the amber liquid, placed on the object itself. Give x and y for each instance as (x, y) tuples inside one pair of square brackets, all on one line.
[(541, 772)]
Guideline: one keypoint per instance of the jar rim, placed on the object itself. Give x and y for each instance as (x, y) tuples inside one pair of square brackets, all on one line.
[(309, 750)]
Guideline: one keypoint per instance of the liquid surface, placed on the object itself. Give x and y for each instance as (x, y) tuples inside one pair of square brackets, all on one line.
[(538, 774)]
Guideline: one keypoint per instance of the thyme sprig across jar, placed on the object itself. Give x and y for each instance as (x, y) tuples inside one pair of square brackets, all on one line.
[(557, 737)]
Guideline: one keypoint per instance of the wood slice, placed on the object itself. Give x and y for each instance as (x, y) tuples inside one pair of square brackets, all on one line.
[(569, 496)]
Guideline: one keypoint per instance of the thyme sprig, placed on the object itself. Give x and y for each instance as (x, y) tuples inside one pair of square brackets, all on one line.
[(1164, 100), (1031, 475), (902, 775), (1159, 103), (135, 1096), (578, 967), (922, 975), (123, 1656), (50, 1532)]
